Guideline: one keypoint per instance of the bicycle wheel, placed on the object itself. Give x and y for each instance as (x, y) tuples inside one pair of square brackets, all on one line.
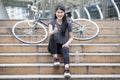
[(84, 29), (29, 32)]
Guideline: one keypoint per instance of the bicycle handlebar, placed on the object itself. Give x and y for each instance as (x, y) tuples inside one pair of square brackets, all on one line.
[(34, 8)]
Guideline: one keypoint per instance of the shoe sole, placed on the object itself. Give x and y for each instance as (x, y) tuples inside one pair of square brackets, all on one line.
[(67, 76), (56, 65)]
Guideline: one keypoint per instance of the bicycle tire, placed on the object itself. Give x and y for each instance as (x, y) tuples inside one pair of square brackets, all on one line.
[(84, 29), (22, 31)]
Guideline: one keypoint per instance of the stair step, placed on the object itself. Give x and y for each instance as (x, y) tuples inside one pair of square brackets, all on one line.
[(108, 23), (59, 76), (4, 23), (103, 31), (100, 48), (107, 30), (8, 23), (102, 35), (70, 44), (100, 39), (48, 68), (73, 54), (46, 57), (50, 64)]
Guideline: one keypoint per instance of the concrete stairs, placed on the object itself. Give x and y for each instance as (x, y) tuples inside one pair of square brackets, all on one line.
[(97, 59)]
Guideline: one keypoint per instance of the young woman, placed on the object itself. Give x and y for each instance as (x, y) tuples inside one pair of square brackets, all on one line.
[(60, 32)]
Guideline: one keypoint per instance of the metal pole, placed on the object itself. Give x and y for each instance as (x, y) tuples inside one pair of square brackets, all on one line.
[(43, 8), (52, 7), (104, 8), (3, 12), (81, 8)]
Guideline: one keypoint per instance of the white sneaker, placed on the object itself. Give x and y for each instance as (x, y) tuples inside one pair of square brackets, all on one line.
[(56, 62), (67, 73)]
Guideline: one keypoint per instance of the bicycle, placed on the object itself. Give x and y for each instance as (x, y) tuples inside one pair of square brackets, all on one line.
[(30, 31), (34, 31)]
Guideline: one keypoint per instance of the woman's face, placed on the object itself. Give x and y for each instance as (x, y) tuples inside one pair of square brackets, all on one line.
[(60, 14)]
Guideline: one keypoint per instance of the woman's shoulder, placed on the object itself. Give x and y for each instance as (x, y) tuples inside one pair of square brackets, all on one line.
[(69, 23), (52, 20)]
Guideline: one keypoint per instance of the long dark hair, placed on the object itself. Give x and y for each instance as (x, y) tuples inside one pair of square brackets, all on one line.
[(64, 20)]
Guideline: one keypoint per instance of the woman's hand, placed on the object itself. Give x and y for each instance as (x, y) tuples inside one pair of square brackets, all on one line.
[(55, 30), (69, 41), (66, 45), (51, 31)]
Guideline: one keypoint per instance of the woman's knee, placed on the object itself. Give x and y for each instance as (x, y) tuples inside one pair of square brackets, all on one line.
[(65, 53), (65, 50)]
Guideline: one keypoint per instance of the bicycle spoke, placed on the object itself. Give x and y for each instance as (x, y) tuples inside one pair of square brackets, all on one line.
[(84, 29), (28, 32)]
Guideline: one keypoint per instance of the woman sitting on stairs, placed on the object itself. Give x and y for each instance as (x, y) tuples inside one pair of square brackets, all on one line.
[(60, 32)]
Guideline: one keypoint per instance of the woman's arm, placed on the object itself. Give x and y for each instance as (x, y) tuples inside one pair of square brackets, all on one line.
[(51, 31), (69, 41)]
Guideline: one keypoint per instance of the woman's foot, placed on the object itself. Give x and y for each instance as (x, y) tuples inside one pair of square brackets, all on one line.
[(67, 73), (56, 62)]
